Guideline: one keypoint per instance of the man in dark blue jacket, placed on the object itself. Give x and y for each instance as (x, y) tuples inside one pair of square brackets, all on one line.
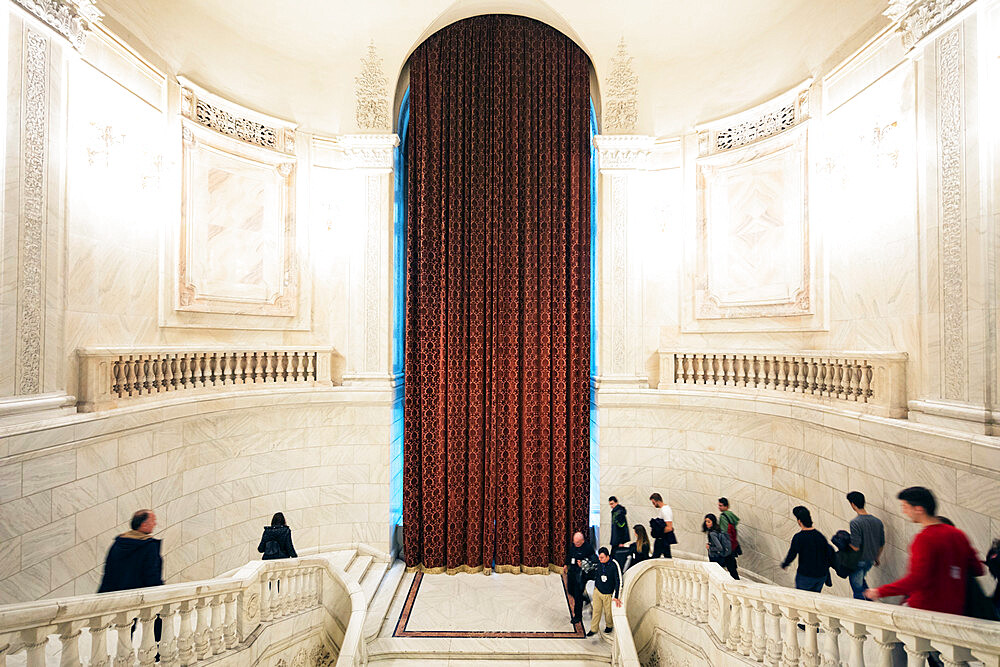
[(607, 589), (134, 558), (134, 561), (577, 556)]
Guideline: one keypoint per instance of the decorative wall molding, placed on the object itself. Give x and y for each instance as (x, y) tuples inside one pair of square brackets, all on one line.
[(373, 268), (950, 80), (619, 274), (623, 151), (772, 118), (918, 18), (237, 245), (367, 151), (70, 18), (231, 120), (621, 103), (371, 93), (752, 238), (31, 236)]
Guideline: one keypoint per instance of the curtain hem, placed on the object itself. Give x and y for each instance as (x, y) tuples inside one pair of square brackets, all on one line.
[(500, 569)]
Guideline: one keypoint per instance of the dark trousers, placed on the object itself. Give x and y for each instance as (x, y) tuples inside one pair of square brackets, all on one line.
[(576, 585), (730, 564), (660, 548)]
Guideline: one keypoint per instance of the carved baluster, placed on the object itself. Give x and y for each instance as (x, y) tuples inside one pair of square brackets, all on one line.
[(810, 647), (69, 638), (168, 372), (229, 630), (678, 369), (255, 366), (831, 645), (265, 596), (729, 371), (864, 383), (744, 642), (781, 375), (917, 649), (853, 380), (272, 366), (168, 640), (889, 650), (123, 628), (857, 632), (772, 628), (772, 373), (184, 368), (203, 380), (313, 369), (953, 655), (147, 643), (753, 627), (157, 373), (751, 376), (34, 645), (733, 633), (202, 643), (216, 628), (869, 384), (185, 640), (790, 638), (822, 378), (225, 369), (99, 642), (129, 377), (292, 362), (137, 375), (699, 369), (809, 387), (286, 371)]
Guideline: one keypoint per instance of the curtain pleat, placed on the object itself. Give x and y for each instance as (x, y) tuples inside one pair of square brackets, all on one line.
[(496, 439)]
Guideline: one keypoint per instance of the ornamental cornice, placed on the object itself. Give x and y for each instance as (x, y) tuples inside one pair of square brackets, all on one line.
[(918, 18), (623, 151), (368, 151), (70, 18)]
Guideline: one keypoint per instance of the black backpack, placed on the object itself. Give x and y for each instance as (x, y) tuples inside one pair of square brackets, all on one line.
[(272, 550)]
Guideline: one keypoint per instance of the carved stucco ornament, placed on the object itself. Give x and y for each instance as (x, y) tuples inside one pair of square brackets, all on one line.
[(918, 18), (70, 18), (370, 89), (621, 105)]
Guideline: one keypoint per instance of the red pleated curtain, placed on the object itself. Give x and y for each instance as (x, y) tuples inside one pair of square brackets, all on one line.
[(496, 438)]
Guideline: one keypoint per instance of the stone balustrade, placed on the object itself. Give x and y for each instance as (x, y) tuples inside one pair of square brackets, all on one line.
[(111, 377), (749, 622), (239, 619), (869, 382)]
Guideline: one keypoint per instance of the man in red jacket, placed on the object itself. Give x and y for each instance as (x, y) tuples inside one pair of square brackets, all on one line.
[(940, 559)]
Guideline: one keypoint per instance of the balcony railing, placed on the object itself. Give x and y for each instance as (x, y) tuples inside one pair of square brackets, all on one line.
[(111, 377), (869, 382)]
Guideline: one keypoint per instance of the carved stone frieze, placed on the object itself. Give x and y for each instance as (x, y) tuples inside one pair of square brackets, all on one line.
[(767, 123), (623, 151), (31, 249), (234, 123), (621, 104), (70, 18), (918, 18), (950, 77), (371, 93), (368, 151)]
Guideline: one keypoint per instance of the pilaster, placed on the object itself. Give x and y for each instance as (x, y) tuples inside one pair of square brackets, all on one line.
[(39, 40), (623, 161)]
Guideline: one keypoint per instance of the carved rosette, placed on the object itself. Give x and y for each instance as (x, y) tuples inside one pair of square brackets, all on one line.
[(621, 104), (251, 608), (918, 18), (370, 90), (70, 18)]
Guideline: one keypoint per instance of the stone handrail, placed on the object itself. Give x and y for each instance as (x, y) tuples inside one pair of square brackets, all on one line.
[(201, 620), (110, 376), (750, 622), (869, 382)]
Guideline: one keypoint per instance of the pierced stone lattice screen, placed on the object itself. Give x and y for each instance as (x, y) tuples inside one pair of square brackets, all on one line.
[(109, 377), (750, 131), (873, 383)]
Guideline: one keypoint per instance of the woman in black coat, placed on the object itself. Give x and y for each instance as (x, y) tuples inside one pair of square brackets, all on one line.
[(276, 542)]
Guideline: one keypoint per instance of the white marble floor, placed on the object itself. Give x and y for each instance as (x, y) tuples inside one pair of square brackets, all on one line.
[(498, 603)]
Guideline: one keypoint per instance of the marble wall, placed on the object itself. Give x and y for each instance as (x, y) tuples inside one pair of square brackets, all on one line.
[(214, 471), (766, 457)]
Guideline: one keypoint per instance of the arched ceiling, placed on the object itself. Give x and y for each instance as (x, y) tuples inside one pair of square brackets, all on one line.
[(297, 59)]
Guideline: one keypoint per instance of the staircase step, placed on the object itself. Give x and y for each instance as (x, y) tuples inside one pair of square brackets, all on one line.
[(358, 567), (562, 652), (373, 577), (378, 606), (342, 559)]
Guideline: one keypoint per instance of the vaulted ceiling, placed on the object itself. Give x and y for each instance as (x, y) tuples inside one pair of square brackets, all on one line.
[(297, 59)]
